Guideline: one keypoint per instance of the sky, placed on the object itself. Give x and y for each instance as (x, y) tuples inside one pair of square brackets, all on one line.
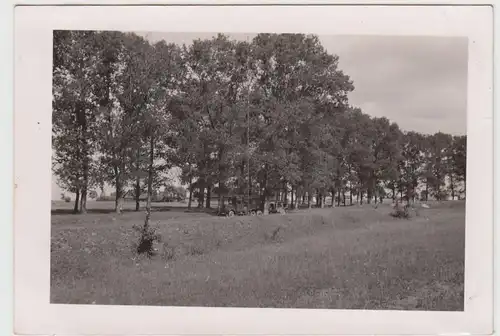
[(418, 82)]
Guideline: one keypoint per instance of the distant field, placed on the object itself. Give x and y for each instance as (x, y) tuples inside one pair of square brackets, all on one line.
[(110, 205), (346, 258)]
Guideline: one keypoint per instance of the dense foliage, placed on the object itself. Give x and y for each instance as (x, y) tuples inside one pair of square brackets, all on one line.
[(269, 118)]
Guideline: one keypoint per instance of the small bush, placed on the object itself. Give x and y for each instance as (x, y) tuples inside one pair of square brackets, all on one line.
[(67, 199), (401, 212), (148, 236)]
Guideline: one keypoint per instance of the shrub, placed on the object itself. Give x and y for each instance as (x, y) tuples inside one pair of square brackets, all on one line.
[(401, 212), (148, 236), (67, 199)]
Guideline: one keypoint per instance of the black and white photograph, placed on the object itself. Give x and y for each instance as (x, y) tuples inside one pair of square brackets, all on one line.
[(266, 170), (291, 170)]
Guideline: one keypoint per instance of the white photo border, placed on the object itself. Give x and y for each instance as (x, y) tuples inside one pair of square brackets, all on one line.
[(32, 138)]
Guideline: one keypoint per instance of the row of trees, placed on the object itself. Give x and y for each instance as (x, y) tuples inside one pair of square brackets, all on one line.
[(267, 117)]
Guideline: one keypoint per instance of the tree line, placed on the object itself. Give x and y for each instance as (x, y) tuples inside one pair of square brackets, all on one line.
[(268, 117)]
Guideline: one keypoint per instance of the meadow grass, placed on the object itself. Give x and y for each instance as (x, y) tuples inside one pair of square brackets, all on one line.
[(345, 258)]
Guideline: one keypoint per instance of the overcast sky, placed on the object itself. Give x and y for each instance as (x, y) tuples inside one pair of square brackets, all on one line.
[(418, 82)]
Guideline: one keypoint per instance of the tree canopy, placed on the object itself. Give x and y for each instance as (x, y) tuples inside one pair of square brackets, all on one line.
[(268, 118)]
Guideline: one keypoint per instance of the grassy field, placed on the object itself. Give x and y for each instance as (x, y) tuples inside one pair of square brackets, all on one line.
[(347, 258)]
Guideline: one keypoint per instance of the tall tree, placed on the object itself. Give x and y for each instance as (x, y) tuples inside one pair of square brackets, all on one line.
[(160, 63), (438, 164), (215, 105), (116, 126), (458, 162), (74, 112), (412, 164), (290, 69)]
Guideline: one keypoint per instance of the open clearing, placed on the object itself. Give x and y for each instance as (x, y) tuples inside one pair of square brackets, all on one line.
[(345, 258)]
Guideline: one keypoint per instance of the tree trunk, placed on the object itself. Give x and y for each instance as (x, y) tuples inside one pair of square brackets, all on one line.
[(292, 204), (297, 198), (83, 196), (343, 197), (375, 190), (150, 182), (266, 204), (137, 193), (138, 179), (285, 192), (190, 200), (83, 201), (426, 191), (264, 191), (452, 188), (220, 198), (371, 189), (309, 199), (394, 192), (201, 196), (77, 201), (338, 196), (249, 185), (118, 196), (209, 196)]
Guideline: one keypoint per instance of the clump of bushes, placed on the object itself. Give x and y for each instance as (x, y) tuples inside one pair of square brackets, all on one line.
[(148, 236), (401, 211)]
